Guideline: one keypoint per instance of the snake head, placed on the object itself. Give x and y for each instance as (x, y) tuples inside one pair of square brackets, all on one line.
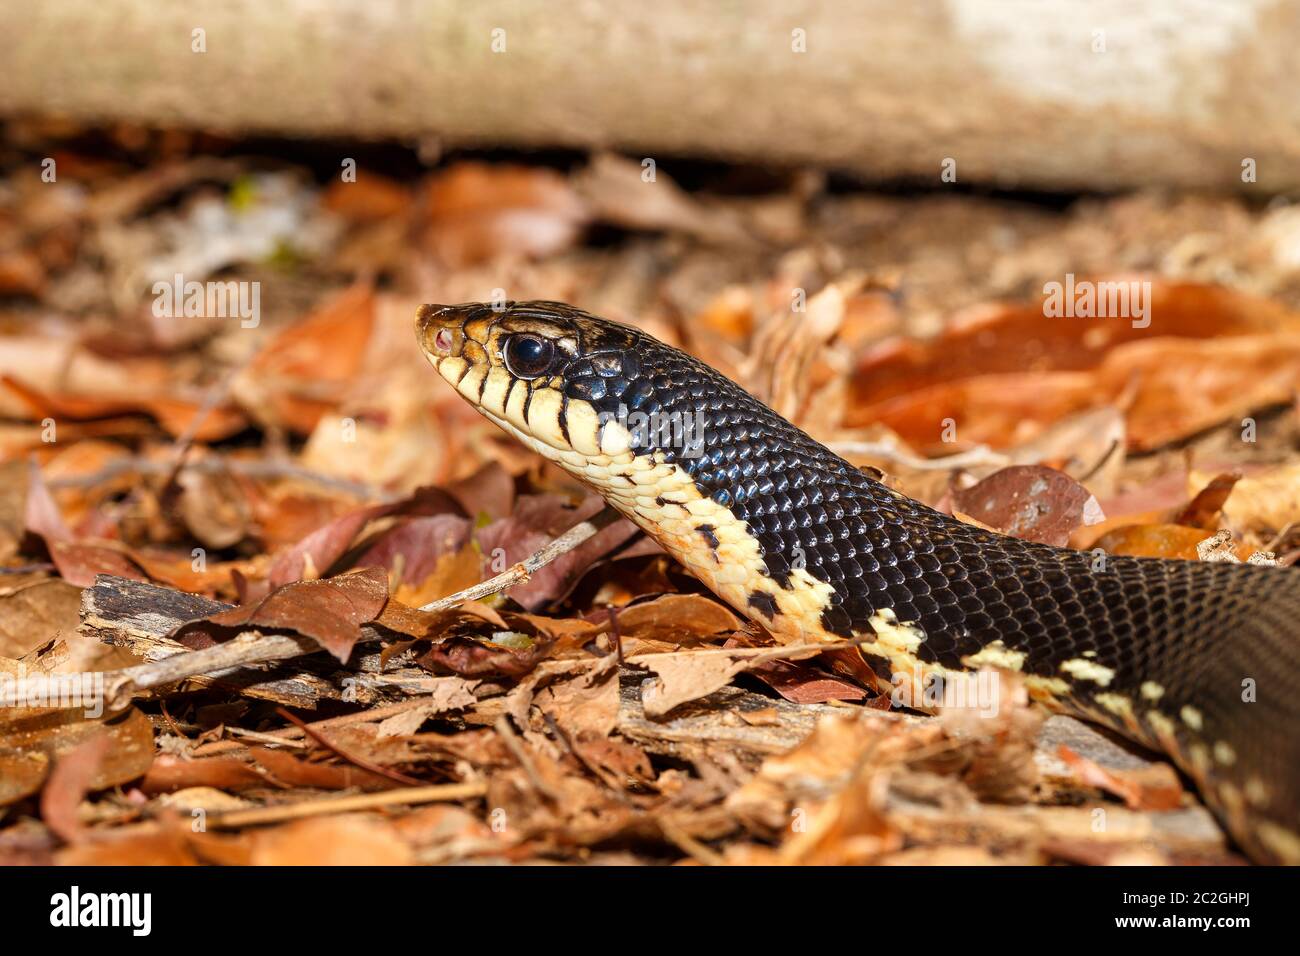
[(537, 369)]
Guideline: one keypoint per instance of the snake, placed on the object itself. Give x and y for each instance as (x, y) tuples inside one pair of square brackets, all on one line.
[(1198, 660)]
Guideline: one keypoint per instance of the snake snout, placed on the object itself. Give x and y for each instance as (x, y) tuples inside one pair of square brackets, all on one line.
[(441, 328)]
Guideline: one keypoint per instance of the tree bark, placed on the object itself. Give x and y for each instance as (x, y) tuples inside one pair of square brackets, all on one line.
[(1049, 94)]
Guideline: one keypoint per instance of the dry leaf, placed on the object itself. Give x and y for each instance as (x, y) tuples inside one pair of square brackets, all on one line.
[(330, 612), (684, 677), (1030, 502), (1262, 504), (345, 840)]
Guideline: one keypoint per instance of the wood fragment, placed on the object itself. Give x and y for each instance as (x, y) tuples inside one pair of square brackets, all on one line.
[(440, 793)]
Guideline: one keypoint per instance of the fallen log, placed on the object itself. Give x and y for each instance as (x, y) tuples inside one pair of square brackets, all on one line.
[(1044, 94)]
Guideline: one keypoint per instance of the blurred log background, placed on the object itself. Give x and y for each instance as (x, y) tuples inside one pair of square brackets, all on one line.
[(1028, 94)]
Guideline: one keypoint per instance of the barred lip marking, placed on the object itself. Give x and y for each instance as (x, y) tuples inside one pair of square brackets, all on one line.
[(494, 390), (710, 538), (516, 401), (510, 391), (463, 372), (528, 401), (468, 386), (564, 419)]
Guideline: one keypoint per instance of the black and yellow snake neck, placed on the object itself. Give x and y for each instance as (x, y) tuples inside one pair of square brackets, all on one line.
[(1199, 660)]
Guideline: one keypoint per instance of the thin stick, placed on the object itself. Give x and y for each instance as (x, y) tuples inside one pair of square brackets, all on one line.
[(290, 736), (525, 569), (247, 647), (761, 655), (256, 736), (512, 742), (689, 845), (363, 801), (215, 396), (352, 758)]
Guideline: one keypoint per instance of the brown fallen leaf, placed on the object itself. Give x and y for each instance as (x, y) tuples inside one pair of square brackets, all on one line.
[(821, 799), (585, 706), (35, 611), (329, 611), (676, 618), (1157, 541), (685, 677), (1030, 502), (171, 773), (1262, 504), (478, 212), (448, 694), (419, 546), (1006, 338), (344, 840), (468, 657), (68, 784), (802, 684), (487, 493), (13, 506), (166, 845), (214, 506), (620, 762), (290, 771), (369, 198), (1204, 508), (175, 415), (452, 573), (21, 774), (1174, 388), (535, 522), (33, 738), (80, 562), (426, 625), (322, 548), (617, 192), (305, 371), (1154, 786)]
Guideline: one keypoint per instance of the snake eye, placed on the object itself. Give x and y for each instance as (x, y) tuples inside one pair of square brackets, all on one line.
[(528, 356)]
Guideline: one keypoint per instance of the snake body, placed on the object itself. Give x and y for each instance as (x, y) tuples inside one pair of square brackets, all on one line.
[(1198, 660)]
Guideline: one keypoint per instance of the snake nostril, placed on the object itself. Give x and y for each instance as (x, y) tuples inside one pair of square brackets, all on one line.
[(442, 341)]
